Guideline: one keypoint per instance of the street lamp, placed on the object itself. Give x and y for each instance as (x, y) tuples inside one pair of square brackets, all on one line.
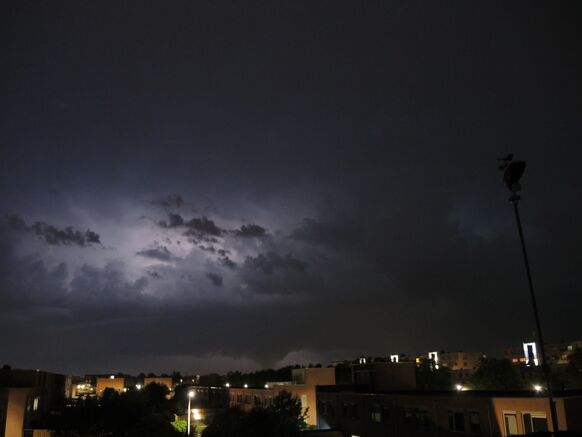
[(512, 172), (190, 396)]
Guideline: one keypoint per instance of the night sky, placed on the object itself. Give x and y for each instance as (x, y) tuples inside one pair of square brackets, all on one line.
[(204, 185)]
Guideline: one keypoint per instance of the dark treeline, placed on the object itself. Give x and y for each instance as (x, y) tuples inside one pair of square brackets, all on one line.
[(145, 413)]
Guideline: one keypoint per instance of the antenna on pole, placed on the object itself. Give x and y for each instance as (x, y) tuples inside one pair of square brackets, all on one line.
[(512, 173)]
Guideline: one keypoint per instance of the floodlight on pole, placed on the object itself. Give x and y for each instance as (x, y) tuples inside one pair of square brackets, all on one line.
[(190, 396), (512, 173)]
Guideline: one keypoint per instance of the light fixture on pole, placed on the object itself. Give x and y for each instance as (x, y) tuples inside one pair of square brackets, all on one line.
[(190, 396), (512, 172)]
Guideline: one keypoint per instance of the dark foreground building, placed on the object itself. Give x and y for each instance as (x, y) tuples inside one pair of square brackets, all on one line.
[(27, 397), (358, 412)]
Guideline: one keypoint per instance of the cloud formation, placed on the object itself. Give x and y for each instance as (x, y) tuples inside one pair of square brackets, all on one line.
[(160, 253), (53, 235), (270, 262), (215, 278), (170, 201), (251, 230)]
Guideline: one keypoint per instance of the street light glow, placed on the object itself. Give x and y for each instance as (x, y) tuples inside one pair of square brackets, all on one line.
[(138, 386), (459, 387), (246, 386), (227, 384), (537, 387), (191, 394)]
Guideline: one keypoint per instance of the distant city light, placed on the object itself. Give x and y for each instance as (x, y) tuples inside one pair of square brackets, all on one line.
[(459, 387), (434, 356), (531, 353), (138, 386), (537, 387), (112, 377), (246, 386), (196, 414), (266, 385), (227, 384)]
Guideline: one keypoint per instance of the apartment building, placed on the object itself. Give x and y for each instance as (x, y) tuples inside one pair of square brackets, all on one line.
[(302, 385), (27, 397), (360, 413), (112, 381), (557, 354), (162, 380)]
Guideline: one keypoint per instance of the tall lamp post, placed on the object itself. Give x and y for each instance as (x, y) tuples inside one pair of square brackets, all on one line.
[(190, 396), (512, 172)]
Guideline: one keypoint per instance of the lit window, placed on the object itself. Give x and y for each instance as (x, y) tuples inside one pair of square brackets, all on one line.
[(35, 403), (510, 420)]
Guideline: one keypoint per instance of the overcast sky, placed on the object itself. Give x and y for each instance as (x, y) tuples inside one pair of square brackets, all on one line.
[(206, 185)]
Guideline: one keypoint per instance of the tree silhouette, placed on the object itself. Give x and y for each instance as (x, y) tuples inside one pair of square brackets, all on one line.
[(495, 374)]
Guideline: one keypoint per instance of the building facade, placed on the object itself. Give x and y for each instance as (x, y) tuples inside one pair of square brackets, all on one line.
[(113, 382), (27, 398), (162, 380), (418, 413), (557, 354), (303, 386)]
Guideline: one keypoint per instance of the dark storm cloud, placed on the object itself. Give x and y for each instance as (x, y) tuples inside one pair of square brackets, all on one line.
[(227, 262), (153, 274), (105, 287), (171, 200), (210, 249), (53, 235), (160, 253), (215, 278), (251, 230), (196, 227), (270, 262), (174, 221), (331, 234)]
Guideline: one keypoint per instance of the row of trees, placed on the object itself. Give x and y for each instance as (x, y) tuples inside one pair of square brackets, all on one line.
[(149, 413), (136, 413)]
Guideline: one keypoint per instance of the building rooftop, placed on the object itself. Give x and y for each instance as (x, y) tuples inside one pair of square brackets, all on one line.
[(455, 393)]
